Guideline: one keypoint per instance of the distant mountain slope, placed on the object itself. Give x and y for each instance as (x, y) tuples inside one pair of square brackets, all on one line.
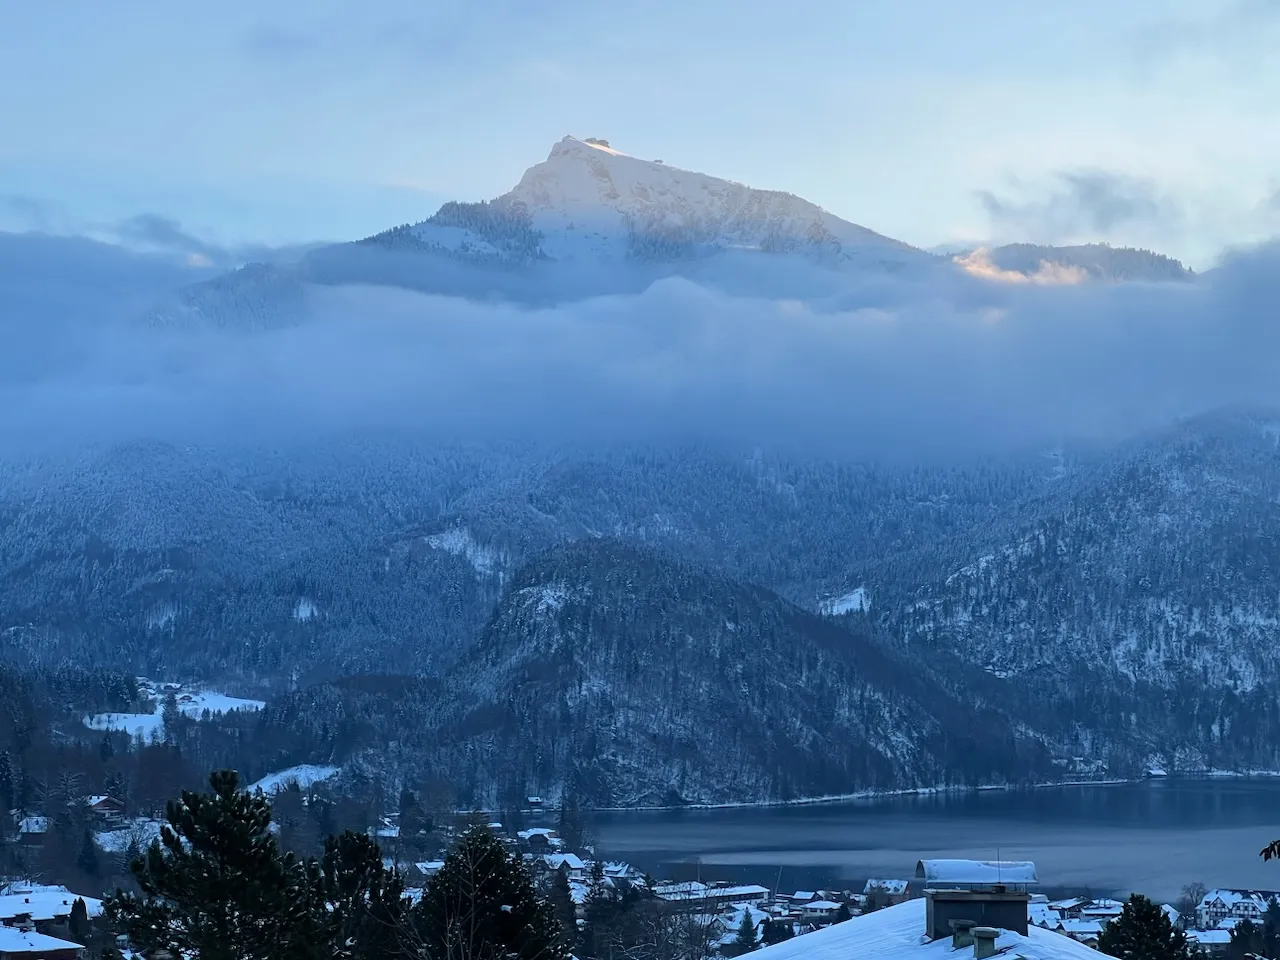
[(645, 680), (1093, 261), (1153, 580)]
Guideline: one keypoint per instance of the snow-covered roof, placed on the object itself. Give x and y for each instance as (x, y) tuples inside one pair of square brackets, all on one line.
[(1171, 912), (821, 905), (701, 891), (1069, 904), (45, 904), (571, 860), (1230, 898), (1080, 927), (33, 825), (976, 872), (17, 942), (429, 867), (1209, 938), (888, 886), (1042, 915), (536, 832), (805, 895), (896, 933)]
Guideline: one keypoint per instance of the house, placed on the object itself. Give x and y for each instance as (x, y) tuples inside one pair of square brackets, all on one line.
[(888, 892), (1068, 909), (27, 945), (1213, 942), (802, 896), (1174, 916), (429, 868), (1043, 915), (729, 923), (1104, 911), (900, 933), (1217, 905), (1087, 932), (570, 863), (819, 911), (694, 896), (32, 830), (539, 839), (41, 908), (105, 809)]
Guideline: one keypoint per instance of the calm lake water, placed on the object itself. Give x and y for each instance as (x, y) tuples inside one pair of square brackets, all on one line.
[(1151, 837)]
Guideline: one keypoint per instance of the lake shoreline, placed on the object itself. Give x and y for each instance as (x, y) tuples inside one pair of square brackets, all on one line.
[(873, 795)]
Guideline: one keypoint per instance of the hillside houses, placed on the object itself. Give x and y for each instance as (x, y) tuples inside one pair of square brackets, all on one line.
[(1223, 904)]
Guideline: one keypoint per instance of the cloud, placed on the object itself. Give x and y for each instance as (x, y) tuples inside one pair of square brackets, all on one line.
[(1075, 206), (22, 212), (153, 233), (871, 363)]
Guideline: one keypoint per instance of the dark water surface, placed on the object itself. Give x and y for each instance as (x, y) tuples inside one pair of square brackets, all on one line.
[(1152, 837)]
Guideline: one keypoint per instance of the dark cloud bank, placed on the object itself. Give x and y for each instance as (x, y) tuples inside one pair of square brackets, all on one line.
[(908, 366)]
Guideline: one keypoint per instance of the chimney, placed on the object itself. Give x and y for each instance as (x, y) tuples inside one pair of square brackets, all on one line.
[(984, 942), (961, 933)]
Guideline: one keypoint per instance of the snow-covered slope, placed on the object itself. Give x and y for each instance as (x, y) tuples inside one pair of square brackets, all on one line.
[(590, 200), (587, 221)]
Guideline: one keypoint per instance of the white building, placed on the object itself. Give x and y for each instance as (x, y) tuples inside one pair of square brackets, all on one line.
[(1218, 905)]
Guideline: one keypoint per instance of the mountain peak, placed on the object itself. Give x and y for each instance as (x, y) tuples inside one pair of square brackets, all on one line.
[(590, 200), (569, 146)]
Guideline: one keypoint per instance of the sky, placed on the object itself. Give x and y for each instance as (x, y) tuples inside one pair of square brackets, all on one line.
[(251, 122)]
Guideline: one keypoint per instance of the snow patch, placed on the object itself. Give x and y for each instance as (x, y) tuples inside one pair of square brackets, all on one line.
[(459, 542), (856, 601), (305, 609), (304, 775)]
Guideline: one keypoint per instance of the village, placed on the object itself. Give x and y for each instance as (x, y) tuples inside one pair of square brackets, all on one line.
[(40, 921)]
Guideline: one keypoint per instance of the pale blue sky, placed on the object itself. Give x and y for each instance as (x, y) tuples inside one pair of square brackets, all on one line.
[(1151, 122)]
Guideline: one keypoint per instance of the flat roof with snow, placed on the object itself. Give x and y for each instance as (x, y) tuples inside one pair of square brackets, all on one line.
[(976, 873)]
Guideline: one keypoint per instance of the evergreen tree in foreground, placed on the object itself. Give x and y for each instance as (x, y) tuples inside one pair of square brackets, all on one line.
[(215, 885), (562, 905), (482, 906), (1144, 932)]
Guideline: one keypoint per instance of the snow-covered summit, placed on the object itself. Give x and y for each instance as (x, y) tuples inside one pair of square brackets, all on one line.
[(590, 200)]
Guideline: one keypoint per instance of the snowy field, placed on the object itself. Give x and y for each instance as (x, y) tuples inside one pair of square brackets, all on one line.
[(141, 831), (191, 704), (303, 775)]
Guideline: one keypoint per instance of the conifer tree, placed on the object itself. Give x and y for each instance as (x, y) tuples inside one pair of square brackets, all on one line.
[(747, 939), (561, 897), (775, 931), (215, 886), (78, 923), (482, 906), (88, 857), (1144, 932)]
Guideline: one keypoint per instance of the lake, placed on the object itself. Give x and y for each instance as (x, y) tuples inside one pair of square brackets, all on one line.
[(1151, 837)]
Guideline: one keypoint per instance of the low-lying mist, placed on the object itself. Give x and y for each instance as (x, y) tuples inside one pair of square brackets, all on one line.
[(868, 363)]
